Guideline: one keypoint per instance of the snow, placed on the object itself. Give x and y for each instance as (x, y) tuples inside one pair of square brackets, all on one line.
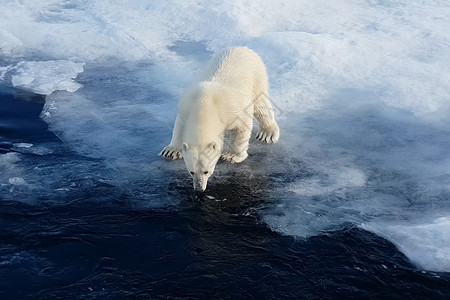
[(361, 90)]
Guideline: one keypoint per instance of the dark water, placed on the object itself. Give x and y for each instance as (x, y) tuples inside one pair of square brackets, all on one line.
[(95, 244)]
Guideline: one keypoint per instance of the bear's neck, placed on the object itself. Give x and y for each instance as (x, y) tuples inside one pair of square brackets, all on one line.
[(204, 122)]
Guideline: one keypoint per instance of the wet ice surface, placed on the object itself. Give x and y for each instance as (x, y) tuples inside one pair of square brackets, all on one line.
[(361, 94), (374, 167)]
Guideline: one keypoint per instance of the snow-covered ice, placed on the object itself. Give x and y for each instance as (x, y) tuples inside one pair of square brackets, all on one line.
[(44, 77), (426, 244), (362, 91)]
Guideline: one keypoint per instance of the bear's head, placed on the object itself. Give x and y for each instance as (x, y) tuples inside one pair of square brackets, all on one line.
[(200, 162)]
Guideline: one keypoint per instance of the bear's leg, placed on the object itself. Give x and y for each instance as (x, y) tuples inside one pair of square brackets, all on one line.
[(173, 150), (263, 112), (238, 144)]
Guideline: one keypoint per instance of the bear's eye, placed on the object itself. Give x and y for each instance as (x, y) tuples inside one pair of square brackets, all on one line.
[(192, 173), (205, 172)]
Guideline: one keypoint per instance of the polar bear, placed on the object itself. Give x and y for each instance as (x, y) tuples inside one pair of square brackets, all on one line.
[(229, 93)]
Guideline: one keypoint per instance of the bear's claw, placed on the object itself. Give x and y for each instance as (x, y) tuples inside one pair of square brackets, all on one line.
[(268, 136), (171, 153)]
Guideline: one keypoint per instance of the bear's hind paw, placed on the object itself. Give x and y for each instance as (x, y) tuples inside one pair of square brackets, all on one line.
[(171, 153)]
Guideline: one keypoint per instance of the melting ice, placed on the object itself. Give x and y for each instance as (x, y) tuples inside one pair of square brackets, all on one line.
[(361, 88)]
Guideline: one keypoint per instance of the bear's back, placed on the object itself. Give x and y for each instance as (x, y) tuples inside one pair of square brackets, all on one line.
[(237, 67)]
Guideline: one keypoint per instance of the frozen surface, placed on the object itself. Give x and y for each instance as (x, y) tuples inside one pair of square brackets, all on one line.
[(426, 244), (361, 89), (43, 77)]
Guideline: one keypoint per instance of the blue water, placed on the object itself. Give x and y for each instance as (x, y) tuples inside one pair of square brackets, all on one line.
[(95, 243)]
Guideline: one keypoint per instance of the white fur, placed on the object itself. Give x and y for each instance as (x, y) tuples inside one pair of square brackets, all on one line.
[(231, 91)]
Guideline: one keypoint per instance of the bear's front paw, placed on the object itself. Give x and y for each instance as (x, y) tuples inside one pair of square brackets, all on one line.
[(269, 135), (234, 157), (170, 152)]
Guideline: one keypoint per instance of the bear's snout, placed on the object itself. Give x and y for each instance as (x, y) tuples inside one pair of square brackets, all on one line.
[(198, 188), (200, 184)]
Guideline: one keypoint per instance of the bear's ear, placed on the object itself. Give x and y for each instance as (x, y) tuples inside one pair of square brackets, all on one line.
[(213, 146), (185, 147)]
